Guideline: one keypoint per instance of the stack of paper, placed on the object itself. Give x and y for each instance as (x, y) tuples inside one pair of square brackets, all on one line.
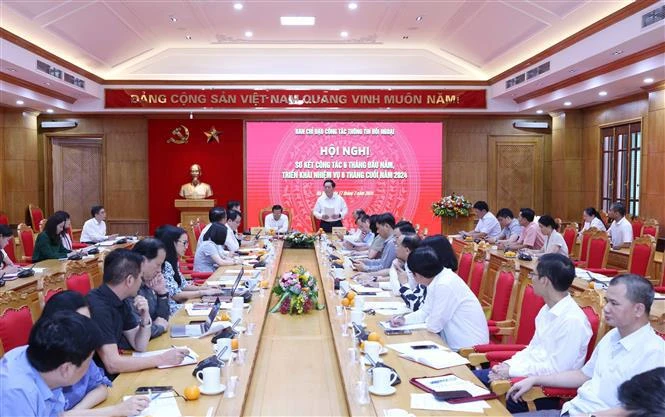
[(591, 276), (451, 382), (163, 406), (428, 402), (387, 308), (190, 359), (436, 358), (407, 348), (369, 291), (415, 326)]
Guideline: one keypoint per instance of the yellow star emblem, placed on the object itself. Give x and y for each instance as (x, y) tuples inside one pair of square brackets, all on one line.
[(213, 134)]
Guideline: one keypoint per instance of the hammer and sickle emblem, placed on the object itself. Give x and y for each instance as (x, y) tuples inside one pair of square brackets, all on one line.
[(180, 135)]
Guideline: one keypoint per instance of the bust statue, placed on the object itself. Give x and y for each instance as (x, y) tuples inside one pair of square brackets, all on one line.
[(195, 190)]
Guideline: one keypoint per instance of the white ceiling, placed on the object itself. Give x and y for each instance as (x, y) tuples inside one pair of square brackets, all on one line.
[(455, 39)]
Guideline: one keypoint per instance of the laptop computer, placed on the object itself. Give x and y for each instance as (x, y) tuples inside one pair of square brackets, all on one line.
[(195, 330), (227, 294)]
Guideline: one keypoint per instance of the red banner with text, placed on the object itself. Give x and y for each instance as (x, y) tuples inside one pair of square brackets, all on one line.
[(412, 99)]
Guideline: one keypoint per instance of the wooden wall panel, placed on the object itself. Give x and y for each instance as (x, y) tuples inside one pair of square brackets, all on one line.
[(19, 170), (653, 178)]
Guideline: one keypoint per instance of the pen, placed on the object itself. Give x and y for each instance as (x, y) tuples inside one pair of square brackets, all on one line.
[(187, 355), (154, 397)]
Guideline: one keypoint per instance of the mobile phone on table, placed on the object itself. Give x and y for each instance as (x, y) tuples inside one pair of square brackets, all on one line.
[(450, 395), (393, 332), (196, 322), (420, 347), (153, 389)]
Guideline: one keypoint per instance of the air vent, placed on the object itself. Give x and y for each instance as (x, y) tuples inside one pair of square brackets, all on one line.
[(529, 74), (653, 16), (60, 74)]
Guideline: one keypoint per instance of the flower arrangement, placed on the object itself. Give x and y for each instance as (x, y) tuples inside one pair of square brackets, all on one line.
[(300, 240), (452, 206), (297, 292)]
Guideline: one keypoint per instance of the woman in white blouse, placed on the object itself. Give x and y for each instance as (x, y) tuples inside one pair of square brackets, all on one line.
[(592, 219), (554, 242)]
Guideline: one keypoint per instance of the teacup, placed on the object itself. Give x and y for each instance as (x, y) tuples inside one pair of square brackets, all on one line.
[(383, 378), (373, 350), (357, 317), (237, 302), (210, 378), (359, 303)]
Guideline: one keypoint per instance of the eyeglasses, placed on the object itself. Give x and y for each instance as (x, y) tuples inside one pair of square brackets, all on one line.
[(184, 242)]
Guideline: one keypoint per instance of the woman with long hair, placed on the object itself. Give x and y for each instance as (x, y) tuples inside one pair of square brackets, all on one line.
[(592, 219), (48, 244)]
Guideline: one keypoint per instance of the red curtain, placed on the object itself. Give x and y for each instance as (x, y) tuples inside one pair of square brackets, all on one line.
[(168, 163)]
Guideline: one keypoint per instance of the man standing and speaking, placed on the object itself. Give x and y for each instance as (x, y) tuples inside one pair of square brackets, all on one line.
[(330, 208)]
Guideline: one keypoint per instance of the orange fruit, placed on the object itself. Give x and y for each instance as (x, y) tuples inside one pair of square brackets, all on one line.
[(192, 392), (351, 295), (352, 302), (346, 302), (362, 345), (264, 284), (225, 316), (373, 337), (234, 344)]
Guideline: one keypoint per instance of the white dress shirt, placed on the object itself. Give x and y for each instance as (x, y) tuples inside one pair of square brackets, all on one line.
[(93, 231), (621, 232), (552, 241), (203, 232), (231, 243), (489, 225), (453, 311), (558, 344), (614, 361), (595, 222), (334, 205), (281, 225)]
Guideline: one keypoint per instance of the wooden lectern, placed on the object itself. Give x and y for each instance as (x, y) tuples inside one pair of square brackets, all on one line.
[(190, 210)]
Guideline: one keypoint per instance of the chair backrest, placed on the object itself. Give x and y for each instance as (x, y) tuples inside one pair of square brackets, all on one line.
[(477, 274), (18, 310), (459, 245), (464, 264), (4, 219), (637, 224), (591, 301), (10, 249), (197, 227), (584, 246), (27, 239), (598, 250), (650, 228), (642, 251), (36, 216), (51, 285), (530, 304), (503, 299), (569, 235), (79, 283), (658, 324), (316, 223)]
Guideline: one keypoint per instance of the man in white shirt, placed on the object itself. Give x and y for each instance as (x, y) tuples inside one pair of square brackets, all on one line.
[(630, 348), (621, 231), (330, 207), (276, 221), (94, 229), (488, 226), (216, 214), (233, 219), (450, 308)]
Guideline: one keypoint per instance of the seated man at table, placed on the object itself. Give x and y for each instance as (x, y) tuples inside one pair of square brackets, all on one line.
[(630, 348), (277, 221), (511, 228), (363, 236), (621, 231), (403, 227), (384, 226), (531, 236), (233, 205), (94, 229), (122, 279), (562, 329), (58, 355), (216, 214), (488, 226), (450, 309), (233, 219)]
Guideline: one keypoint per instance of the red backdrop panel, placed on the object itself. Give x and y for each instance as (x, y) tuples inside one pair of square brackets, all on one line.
[(168, 163), (412, 152)]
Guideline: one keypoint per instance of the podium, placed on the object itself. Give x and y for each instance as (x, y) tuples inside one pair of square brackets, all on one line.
[(452, 225), (190, 210)]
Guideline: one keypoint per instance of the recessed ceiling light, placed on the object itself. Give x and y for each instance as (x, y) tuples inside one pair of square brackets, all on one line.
[(353, 6), (539, 111), (648, 80), (49, 110), (11, 69), (47, 83), (249, 34), (19, 102), (567, 103), (344, 34), (617, 52), (188, 37), (602, 93), (173, 19), (238, 6), (297, 20), (572, 70), (405, 37), (419, 19)]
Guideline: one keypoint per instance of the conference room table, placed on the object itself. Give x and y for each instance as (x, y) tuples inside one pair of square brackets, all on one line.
[(295, 365)]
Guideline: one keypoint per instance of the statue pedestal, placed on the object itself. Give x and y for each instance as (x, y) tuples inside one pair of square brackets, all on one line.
[(190, 211)]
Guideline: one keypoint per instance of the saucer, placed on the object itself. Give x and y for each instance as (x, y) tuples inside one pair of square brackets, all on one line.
[(388, 391), (366, 361), (383, 351), (350, 324), (215, 391)]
